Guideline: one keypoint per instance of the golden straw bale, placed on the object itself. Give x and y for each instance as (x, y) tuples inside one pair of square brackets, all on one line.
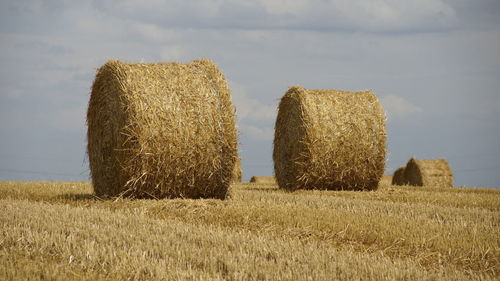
[(399, 177), (431, 172), (329, 139), (263, 180), (161, 130)]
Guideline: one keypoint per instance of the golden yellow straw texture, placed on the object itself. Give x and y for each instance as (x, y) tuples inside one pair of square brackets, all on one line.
[(399, 177), (329, 139), (432, 172), (161, 130), (263, 179)]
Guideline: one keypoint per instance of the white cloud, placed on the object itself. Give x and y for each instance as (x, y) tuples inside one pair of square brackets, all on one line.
[(248, 108), (150, 31), (496, 107), (379, 15), (70, 119), (13, 93), (283, 7), (257, 133), (33, 6), (396, 106), (483, 106), (359, 15), (250, 111), (173, 53)]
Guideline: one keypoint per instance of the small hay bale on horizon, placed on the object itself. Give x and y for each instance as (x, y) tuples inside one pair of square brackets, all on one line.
[(263, 180), (399, 177), (428, 172), (329, 139), (161, 130)]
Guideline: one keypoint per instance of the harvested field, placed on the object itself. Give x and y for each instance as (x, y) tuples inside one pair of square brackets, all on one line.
[(62, 231)]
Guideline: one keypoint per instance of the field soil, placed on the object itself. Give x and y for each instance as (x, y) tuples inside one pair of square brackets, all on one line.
[(61, 231)]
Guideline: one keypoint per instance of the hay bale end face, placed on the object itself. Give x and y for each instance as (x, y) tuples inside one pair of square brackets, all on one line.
[(329, 139), (399, 177), (430, 172), (263, 180), (161, 130)]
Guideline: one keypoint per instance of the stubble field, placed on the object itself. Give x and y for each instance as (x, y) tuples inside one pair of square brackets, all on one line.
[(60, 231)]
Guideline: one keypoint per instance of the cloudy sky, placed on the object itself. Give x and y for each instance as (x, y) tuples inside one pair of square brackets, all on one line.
[(435, 65)]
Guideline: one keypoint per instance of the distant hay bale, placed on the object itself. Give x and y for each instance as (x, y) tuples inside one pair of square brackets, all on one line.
[(432, 172), (161, 130), (263, 180), (399, 177), (237, 171), (329, 139)]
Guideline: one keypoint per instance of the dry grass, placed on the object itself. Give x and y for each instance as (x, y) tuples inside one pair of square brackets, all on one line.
[(262, 233), (329, 139), (161, 130)]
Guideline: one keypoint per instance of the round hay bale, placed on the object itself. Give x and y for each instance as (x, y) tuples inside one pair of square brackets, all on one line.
[(237, 171), (329, 139), (430, 172), (262, 180), (399, 177), (160, 130)]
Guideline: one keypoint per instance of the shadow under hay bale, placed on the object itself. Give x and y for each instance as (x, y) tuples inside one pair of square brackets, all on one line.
[(161, 130), (399, 177), (329, 139), (431, 172), (263, 180)]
